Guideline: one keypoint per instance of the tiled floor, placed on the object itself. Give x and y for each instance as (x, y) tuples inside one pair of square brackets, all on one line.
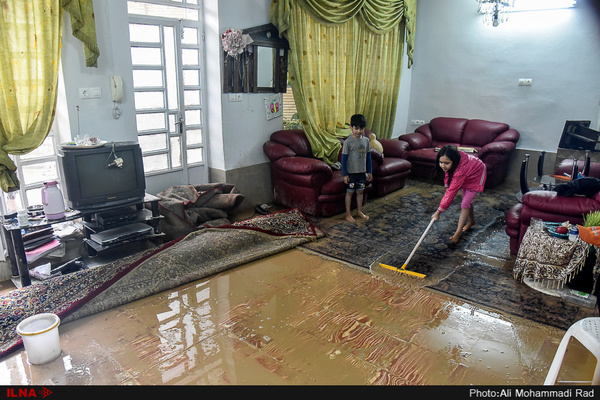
[(297, 319)]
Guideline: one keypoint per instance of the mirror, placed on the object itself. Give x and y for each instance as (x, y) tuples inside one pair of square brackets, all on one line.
[(265, 62), (262, 67)]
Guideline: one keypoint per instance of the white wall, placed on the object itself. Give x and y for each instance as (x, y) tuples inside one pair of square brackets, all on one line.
[(463, 68), (245, 126), (236, 131)]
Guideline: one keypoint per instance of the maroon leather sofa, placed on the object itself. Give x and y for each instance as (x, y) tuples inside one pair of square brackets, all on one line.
[(302, 181), (548, 206), (494, 142)]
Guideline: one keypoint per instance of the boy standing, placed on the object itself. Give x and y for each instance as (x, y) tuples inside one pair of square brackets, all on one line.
[(356, 165)]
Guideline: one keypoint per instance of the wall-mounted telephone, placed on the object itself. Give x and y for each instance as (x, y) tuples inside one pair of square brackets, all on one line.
[(116, 88)]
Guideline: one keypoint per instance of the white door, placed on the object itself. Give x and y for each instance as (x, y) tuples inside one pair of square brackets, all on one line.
[(166, 56)]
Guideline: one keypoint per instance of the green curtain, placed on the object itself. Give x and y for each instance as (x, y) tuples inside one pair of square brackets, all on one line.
[(83, 27), (30, 44), (345, 58), (30, 41)]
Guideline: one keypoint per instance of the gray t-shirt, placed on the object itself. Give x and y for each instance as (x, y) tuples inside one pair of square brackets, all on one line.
[(357, 150)]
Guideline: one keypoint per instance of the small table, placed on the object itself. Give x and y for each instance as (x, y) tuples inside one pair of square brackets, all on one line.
[(16, 250), (549, 182), (547, 259)]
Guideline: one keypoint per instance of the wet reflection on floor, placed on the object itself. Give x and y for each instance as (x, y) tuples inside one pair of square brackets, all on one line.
[(297, 319)]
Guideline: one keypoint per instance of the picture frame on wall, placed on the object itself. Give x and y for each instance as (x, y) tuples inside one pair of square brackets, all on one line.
[(274, 106)]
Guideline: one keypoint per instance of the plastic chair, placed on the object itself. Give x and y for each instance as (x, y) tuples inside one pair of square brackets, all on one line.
[(586, 331)]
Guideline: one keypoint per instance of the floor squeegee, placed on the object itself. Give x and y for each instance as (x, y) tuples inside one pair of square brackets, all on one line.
[(403, 269)]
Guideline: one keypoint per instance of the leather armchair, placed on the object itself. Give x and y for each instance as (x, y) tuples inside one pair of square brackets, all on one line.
[(493, 141), (548, 206), (302, 181)]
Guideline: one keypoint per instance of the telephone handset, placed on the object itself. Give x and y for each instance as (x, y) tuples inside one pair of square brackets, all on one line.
[(116, 88)]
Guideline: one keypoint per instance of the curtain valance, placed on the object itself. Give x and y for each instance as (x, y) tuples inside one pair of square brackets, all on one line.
[(379, 15)]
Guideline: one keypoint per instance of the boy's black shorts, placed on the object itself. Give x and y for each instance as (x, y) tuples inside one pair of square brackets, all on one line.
[(357, 182)]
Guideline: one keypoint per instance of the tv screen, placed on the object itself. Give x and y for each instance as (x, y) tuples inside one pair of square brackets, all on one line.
[(578, 136), (93, 181)]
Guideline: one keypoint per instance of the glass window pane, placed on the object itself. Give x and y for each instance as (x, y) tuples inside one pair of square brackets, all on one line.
[(172, 125), (158, 162), (192, 117), (13, 201), (34, 197), (190, 35), (46, 149), (171, 69), (194, 156), (149, 100), (191, 97), (193, 136), (189, 56), (144, 33), (152, 121), (147, 78), (39, 172), (176, 152), (153, 142), (191, 77), (157, 10), (146, 56)]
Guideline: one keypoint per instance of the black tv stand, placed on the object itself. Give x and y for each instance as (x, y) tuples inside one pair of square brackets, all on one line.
[(111, 218), (16, 251)]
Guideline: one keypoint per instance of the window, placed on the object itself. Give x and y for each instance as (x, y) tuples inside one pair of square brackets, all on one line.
[(33, 169), (166, 54)]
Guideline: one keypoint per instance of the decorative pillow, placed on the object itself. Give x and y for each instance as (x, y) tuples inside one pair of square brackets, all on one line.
[(375, 144)]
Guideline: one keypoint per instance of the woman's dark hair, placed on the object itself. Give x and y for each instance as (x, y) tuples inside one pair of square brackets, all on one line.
[(453, 154)]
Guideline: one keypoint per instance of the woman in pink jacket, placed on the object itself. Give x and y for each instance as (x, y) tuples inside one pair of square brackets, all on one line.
[(461, 171)]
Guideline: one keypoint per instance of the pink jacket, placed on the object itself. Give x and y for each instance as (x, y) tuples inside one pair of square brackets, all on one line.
[(469, 175)]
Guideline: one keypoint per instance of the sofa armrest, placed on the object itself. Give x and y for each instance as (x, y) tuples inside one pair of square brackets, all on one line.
[(496, 148), (415, 140), (550, 203), (274, 151), (510, 135), (376, 156), (394, 148), (303, 166)]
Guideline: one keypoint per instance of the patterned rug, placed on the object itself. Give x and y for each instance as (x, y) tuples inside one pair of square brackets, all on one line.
[(200, 254), (478, 269)]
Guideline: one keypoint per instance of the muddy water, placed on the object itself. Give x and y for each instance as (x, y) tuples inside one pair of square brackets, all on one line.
[(295, 318)]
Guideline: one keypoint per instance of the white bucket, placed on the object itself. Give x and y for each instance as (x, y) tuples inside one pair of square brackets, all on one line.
[(40, 337)]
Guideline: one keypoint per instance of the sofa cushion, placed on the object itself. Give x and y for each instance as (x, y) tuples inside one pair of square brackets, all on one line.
[(427, 155), (392, 166), (446, 130), (479, 132)]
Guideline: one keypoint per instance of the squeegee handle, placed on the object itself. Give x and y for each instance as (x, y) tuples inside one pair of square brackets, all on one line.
[(419, 242)]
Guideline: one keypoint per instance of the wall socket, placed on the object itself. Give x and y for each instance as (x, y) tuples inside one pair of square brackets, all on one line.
[(525, 82), (90, 93), (235, 96), (417, 122)]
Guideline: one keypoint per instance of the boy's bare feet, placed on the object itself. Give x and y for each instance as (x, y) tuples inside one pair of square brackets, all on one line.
[(349, 218), (363, 216)]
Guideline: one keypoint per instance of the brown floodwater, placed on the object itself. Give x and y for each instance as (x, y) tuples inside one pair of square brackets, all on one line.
[(299, 319)]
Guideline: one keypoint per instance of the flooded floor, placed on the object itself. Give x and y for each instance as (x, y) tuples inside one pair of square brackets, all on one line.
[(298, 319)]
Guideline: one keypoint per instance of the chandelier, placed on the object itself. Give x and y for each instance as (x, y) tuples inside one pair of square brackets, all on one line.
[(495, 11)]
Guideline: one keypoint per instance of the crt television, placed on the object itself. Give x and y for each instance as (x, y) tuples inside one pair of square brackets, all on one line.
[(94, 180), (577, 135)]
